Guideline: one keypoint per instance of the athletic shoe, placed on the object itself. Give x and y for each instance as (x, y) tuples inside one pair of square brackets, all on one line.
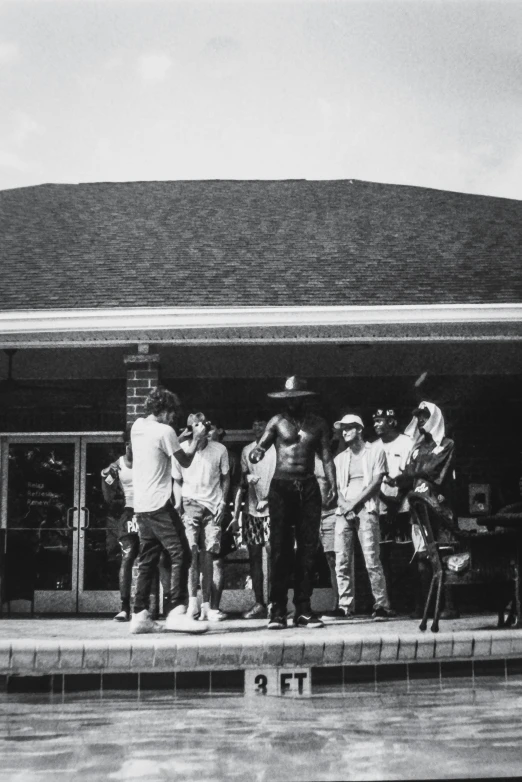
[(180, 622), (192, 611), (142, 623), (276, 622), (123, 616), (215, 615), (310, 620), (381, 614), (258, 611)]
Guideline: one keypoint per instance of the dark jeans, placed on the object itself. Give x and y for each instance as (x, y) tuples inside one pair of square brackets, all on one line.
[(295, 516), (130, 547), (162, 530)]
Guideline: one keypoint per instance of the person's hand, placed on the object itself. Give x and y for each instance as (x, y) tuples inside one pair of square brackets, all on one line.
[(256, 454), (221, 512), (234, 525), (199, 431), (253, 479), (346, 507), (331, 497), (389, 481)]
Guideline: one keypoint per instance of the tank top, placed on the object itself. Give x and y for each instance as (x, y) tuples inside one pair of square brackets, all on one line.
[(125, 476)]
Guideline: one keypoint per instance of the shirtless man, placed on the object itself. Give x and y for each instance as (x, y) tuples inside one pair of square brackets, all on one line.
[(294, 500)]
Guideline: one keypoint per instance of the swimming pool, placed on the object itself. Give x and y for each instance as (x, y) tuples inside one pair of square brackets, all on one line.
[(418, 729)]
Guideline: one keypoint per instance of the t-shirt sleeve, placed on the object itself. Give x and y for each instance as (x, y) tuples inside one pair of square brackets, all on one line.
[(170, 442), (380, 465), (244, 460)]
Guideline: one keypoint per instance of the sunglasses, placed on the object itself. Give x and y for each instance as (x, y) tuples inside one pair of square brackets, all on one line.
[(384, 413)]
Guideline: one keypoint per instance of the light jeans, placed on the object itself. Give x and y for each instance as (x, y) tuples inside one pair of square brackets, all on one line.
[(367, 528)]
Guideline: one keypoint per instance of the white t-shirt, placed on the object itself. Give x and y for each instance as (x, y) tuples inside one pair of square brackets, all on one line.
[(125, 476), (264, 470), (202, 480), (397, 453), (153, 445)]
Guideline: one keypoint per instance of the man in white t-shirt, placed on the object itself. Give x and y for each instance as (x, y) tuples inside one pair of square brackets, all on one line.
[(360, 470), (255, 481), (394, 508), (200, 492), (155, 449)]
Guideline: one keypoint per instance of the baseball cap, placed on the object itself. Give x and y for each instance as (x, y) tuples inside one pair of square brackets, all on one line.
[(349, 419), (384, 413)]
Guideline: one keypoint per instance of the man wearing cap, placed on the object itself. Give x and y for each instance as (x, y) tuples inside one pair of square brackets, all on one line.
[(294, 500), (394, 509), (200, 492), (360, 470)]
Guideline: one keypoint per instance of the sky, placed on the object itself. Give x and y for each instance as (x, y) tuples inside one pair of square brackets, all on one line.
[(422, 92)]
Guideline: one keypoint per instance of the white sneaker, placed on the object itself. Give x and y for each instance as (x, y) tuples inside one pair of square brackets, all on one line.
[(181, 622), (215, 615), (142, 623), (192, 611)]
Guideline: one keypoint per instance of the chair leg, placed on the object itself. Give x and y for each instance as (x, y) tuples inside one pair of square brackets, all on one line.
[(424, 623), (436, 616)]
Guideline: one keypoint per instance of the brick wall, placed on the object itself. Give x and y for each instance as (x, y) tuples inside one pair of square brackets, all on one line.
[(142, 376)]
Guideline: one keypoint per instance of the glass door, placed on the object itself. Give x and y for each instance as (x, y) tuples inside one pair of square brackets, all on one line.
[(40, 515), (99, 549)]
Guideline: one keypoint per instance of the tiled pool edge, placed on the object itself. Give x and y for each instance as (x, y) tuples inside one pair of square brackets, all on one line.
[(169, 653)]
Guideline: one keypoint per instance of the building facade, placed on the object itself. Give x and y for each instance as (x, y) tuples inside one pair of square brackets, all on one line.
[(380, 295)]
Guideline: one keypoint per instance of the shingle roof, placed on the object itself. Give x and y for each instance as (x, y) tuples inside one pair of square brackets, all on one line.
[(263, 243)]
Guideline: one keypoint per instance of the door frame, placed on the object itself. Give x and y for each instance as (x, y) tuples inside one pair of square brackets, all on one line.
[(92, 601), (49, 601)]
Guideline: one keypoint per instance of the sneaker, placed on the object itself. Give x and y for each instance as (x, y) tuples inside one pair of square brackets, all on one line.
[(192, 611), (276, 622), (180, 622), (381, 614), (258, 611), (215, 615), (142, 623), (307, 620), (123, 616)]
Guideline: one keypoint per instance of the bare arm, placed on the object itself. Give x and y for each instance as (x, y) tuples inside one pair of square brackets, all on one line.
[(225, 488), (178, 499), (326, 457), (268, 439), (371, 490)]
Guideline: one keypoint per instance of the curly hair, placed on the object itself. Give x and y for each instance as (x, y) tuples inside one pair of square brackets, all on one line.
[(160, 399)]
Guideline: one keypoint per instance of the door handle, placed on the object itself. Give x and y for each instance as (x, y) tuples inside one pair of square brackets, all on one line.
[(68, 522), (87, 517)]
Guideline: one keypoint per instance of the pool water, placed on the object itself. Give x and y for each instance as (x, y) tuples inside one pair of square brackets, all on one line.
[(336, 734)]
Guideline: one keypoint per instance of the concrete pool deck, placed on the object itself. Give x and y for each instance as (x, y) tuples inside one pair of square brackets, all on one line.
[(42, 646)]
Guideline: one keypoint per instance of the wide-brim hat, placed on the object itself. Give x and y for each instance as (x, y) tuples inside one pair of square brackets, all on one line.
[(294, 387)]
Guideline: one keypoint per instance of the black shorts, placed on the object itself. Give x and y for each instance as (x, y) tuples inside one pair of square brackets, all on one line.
[(127, 524)]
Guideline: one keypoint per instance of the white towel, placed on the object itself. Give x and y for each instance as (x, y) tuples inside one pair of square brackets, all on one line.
[(434, 425)]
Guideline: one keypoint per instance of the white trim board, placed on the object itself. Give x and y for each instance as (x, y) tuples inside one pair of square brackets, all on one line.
[(168, 318)]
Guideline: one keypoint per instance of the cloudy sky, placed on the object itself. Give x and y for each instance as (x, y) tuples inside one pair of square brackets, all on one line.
[(421, 92)]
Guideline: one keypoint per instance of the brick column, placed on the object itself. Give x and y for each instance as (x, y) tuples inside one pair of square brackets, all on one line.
[(142, 374)]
